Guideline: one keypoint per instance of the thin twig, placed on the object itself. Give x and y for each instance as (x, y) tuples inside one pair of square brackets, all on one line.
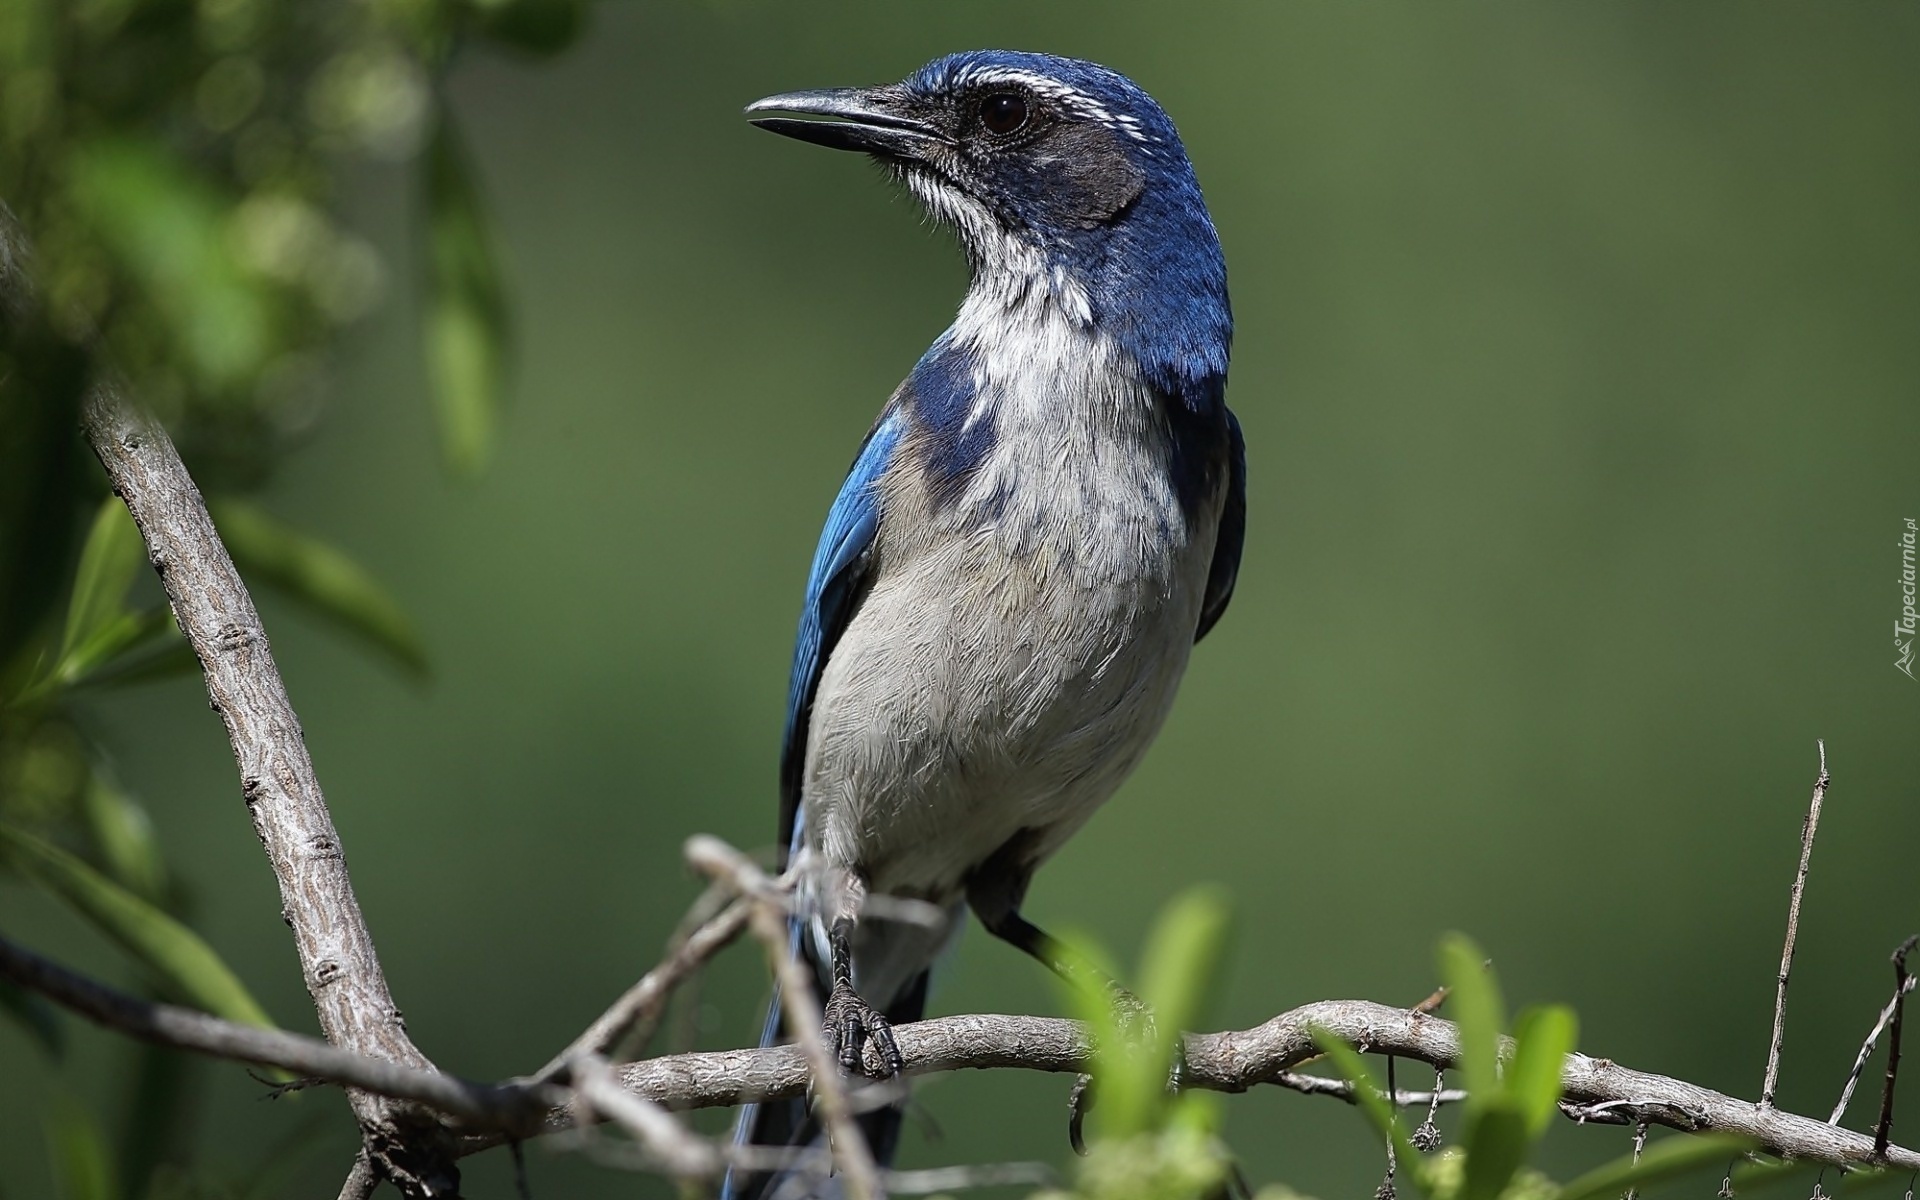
[(672, 1147), (644, 1000), (1386, 1190), (1639, 1144), (954, 1179), (1866, 1051), (1902, 983), (1341, 1089), (800, 1005), (1807, 831), (1426, 1137), (166, 1025)]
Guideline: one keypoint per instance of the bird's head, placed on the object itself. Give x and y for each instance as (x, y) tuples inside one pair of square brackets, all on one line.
[(1052, 171)]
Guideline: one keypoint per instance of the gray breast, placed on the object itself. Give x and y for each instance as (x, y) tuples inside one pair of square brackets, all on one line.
[(1022, 645)]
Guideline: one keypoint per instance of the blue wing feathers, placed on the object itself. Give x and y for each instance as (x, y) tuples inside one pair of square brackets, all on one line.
[(1225, 570), (833, 586)]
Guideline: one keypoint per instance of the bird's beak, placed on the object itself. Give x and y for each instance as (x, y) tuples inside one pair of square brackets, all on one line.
[(871, 120)]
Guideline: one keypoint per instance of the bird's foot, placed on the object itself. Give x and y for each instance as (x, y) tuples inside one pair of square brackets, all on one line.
[(851, 1023), (1136, 1024)]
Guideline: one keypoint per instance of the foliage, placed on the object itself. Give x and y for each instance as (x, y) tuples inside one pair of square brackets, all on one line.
[(168, 170), (1512, 1093), (1155, 1142)]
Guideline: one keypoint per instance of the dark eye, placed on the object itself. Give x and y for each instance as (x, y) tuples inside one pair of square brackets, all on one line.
[(1003, 113)]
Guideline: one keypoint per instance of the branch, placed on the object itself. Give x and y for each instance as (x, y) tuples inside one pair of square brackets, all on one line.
[(511, 1107), (1902, 984), (212, 607), (643, 1001), (1807, 831), (406, 1143), (1596, 1089), (768, 920)]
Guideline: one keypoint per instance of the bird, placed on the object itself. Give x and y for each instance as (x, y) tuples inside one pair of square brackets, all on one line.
[(1044, 519)]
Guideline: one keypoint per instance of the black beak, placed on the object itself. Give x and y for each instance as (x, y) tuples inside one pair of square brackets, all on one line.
[(870, 120)]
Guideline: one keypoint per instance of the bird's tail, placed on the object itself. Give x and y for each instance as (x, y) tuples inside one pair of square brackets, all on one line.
[(790, 1123)]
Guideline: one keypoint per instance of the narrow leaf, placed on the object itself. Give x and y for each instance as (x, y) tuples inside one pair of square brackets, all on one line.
[(1181, 963), (173, 953), (541, 27), (1177, 971), (122, 636), (320, 577), (82, 1164), (1476, 1005), (170, 227), (1496, 1146), (466, 320), (1543, 1038), (1370, 1095), (1129, 1086), (108, 562), (124, 837), (1662, 1160)]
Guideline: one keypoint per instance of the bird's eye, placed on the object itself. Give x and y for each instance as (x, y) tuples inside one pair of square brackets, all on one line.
[(1003, 113)]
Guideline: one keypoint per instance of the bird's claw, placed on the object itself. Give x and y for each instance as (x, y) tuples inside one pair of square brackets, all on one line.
[(851, 1023), (1135, 1021)]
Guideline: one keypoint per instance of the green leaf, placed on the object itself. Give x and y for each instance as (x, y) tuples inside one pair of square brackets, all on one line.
[(541, 27), (82, 1164), (171, 230), (321, 577), (1177, 972), (173, 953), (31, 1012), (108, 562), (168, 658), (119, 638), (1662, 1160), (1476, 1006), (1371, 1097), (124, 837), (1543, 1037), (1496, 1145), (1182, 960), (466, 319), (1129, 1089)]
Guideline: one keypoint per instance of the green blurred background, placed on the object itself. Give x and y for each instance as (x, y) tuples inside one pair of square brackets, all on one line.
[(1577, 358)]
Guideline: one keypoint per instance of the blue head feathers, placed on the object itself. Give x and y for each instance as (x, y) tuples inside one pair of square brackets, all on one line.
[(1057, 174)]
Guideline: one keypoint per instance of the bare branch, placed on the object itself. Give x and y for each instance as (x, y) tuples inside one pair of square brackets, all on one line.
[(1340, 1089), (804, 1020), (182, 1028), (1807, 831), (1866, 1050), (362, 1180), (1595, 1088), (644, 1000), (1902, 983), (675, 1149), (212, 607)]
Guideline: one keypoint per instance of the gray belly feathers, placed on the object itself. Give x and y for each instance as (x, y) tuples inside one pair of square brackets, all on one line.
[(1021, 647)]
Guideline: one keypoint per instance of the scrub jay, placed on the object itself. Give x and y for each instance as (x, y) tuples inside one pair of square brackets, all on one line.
[(1045, 518)]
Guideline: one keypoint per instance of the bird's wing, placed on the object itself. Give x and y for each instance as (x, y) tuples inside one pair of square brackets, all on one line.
[(1232, 536), (834, 587)]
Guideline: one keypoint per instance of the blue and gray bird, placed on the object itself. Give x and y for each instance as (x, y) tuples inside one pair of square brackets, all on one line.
[(1045, 518)]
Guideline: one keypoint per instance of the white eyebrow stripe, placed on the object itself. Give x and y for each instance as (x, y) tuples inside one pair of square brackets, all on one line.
[(1072, 99)]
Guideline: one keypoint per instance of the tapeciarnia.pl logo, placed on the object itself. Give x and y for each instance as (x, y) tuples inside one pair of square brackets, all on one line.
[(1903, 627)]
